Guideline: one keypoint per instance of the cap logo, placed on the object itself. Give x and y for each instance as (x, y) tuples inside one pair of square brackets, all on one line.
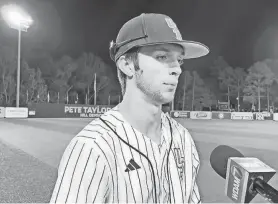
[(173, 26)]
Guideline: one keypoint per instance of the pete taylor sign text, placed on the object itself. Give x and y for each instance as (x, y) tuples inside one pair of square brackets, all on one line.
[(86, 111)]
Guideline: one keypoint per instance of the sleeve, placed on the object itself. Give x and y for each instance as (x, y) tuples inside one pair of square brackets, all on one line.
[(195, 195), (83, 175)]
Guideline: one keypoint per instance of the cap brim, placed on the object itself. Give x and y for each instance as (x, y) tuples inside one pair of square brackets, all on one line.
[(192, 49)]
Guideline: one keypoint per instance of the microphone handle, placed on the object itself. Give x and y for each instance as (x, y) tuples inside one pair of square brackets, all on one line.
[(265, 190)]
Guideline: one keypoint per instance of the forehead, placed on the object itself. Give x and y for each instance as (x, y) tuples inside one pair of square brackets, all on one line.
[(170, 48)]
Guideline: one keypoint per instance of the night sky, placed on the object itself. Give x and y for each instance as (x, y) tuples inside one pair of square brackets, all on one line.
[(243, 31)]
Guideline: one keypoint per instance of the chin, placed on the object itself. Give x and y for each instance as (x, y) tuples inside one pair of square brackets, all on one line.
[(167, 98)]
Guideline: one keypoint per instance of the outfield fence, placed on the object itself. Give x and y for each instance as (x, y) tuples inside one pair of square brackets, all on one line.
[(50, 110)]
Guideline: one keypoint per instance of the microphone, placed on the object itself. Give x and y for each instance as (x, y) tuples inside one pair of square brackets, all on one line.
[(245, 176)]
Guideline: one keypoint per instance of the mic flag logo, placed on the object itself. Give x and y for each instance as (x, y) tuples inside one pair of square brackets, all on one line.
[(236, 172), (235, 181)]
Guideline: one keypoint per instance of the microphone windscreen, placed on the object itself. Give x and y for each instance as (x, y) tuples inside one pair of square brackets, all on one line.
[(219, 158)]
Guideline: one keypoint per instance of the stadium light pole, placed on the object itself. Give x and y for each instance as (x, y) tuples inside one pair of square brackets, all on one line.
[(17, 19)]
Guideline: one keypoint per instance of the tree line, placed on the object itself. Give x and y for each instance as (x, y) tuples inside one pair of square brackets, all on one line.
[(255, 87), (85, 80), (89, 80)]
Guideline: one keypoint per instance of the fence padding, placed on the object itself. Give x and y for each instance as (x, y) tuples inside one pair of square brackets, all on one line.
[(180, 114), (221, 115), (2, 112), (46, 110), (200, 115), (267, 115), (242, 116), (12, 112), (275, 116)]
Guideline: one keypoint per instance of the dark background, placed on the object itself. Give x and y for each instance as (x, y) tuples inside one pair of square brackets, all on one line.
[(243, 32)]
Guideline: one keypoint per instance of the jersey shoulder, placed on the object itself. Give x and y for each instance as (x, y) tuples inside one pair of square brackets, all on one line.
[(100, 132), (98, 127)]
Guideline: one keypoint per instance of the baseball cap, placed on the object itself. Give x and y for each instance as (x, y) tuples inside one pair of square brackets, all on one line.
[(153, 29)]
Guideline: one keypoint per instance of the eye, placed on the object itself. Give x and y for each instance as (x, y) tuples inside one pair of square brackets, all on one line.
[(161, 57)]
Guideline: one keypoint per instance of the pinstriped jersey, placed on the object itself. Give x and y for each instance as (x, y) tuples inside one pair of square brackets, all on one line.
[(110, 161)]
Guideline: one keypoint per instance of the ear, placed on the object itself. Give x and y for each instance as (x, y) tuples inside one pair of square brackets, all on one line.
[(126, 66)]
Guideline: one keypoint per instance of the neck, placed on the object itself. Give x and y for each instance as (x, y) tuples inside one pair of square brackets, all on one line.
[(141, 113)]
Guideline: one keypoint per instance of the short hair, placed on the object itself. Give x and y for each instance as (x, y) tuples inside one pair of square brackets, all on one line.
[(131, 55)]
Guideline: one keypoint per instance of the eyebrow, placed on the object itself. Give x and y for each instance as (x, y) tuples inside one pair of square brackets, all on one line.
[(161, 49), (166, 50)]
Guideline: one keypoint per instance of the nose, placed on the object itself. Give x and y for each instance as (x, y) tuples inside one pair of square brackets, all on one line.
[(176, 70)]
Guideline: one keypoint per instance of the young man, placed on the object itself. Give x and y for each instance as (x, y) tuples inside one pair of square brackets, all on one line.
[(134, 152)]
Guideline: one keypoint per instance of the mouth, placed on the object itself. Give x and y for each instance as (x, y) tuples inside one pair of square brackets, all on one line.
[(171, 84)]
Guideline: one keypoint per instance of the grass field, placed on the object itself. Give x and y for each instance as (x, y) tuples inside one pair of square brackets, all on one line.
[(30, 151)]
